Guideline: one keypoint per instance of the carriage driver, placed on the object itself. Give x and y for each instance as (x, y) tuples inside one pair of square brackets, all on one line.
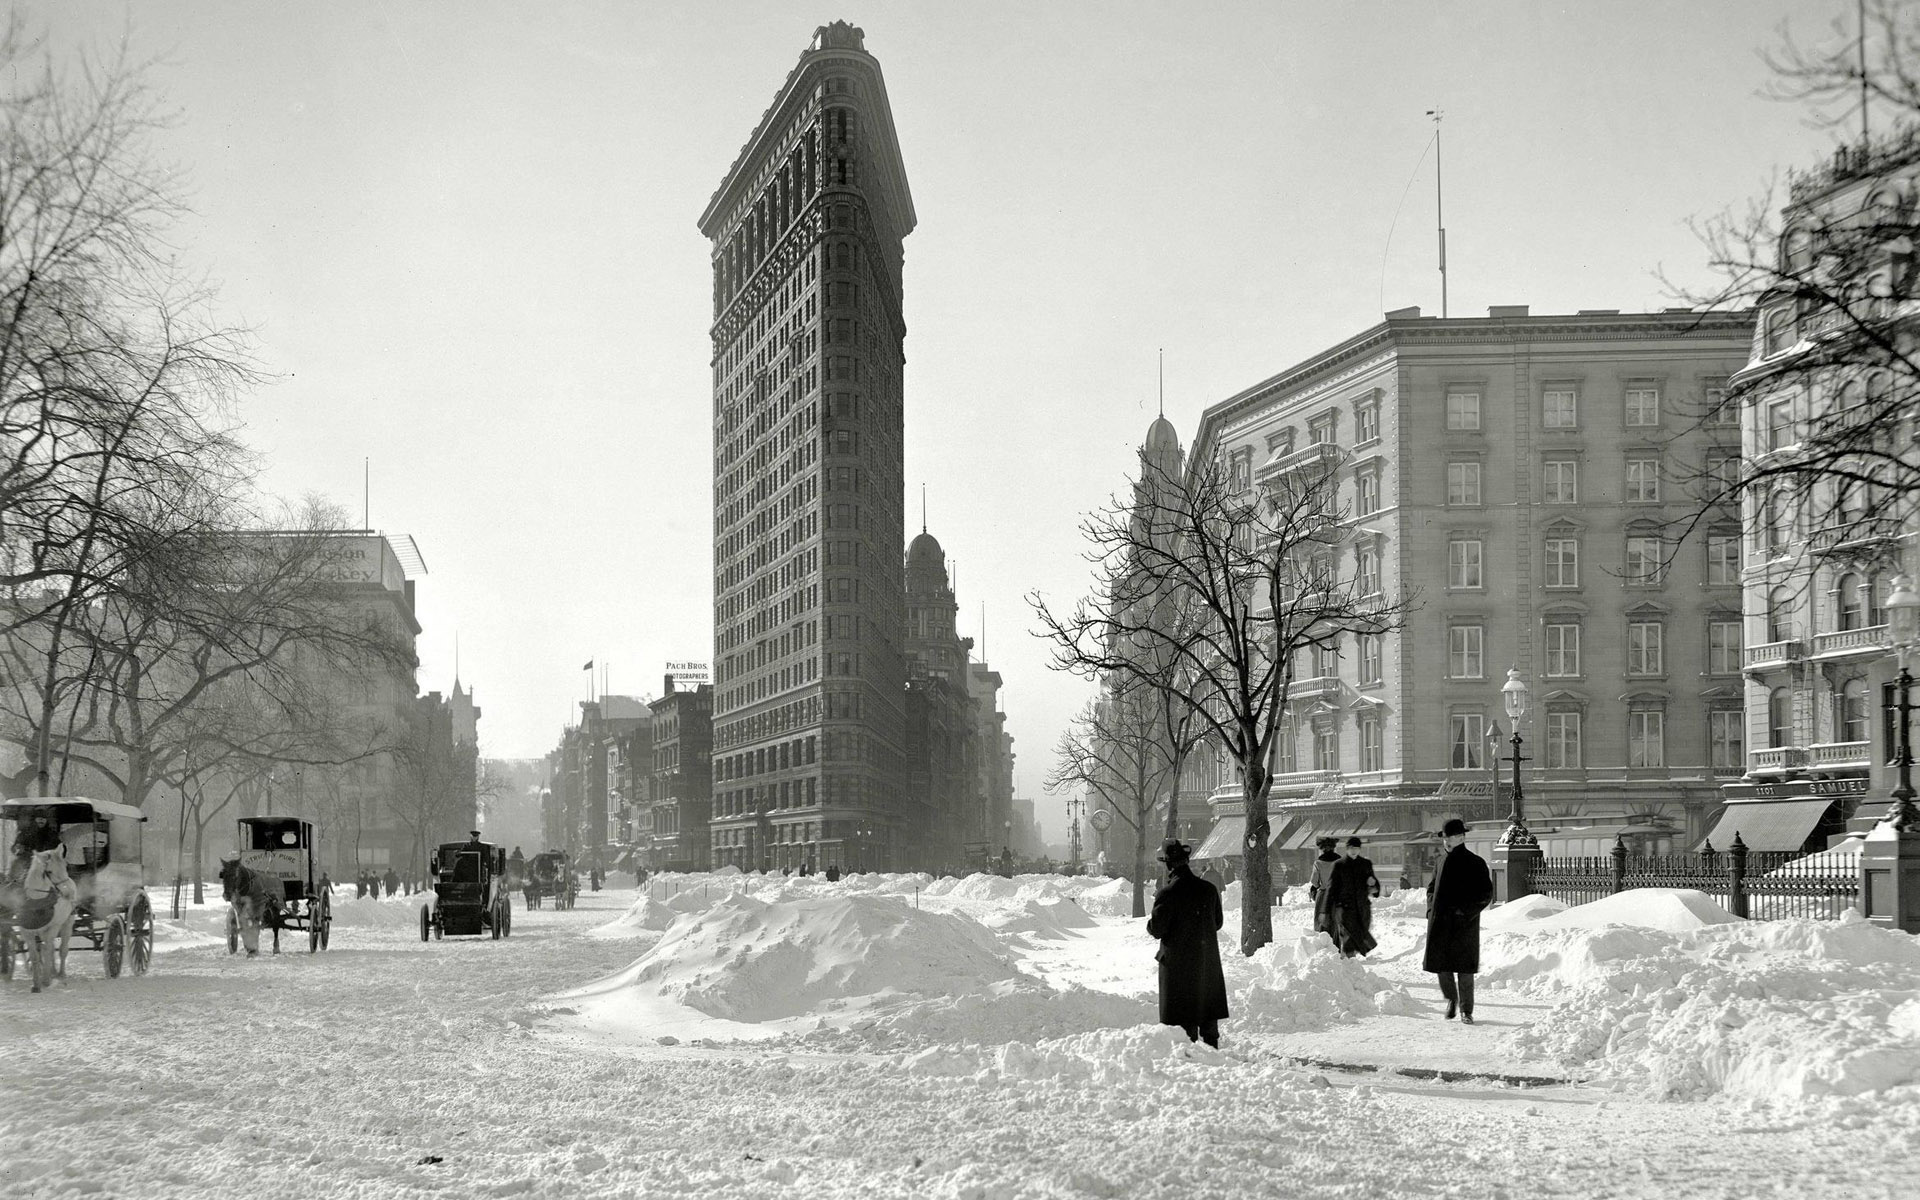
[(474, 842), (37, 833)]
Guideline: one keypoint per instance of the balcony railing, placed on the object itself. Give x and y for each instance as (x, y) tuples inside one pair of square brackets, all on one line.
[(1776, 758), (1774, 653), (1318, 685), (1873, 637), (1315, 454), (1840, 754)]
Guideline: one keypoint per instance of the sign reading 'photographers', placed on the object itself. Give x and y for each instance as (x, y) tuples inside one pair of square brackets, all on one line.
[(689, 674)]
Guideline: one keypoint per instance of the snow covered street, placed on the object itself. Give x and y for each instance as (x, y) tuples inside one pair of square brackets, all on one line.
[(898, 1036)]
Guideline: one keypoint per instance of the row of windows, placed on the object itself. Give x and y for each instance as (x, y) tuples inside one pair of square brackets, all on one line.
[(1471, 746), (1646, 645), (1859, 602), (1560, 408), (1560, 561), (1559, 482), (1645, 562)]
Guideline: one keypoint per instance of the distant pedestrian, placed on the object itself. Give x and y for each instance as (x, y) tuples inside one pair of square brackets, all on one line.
[(1351, 887), (1187, 919), (833, 873), (360, 886), (1317, 887), (1460, 888), (393, 882)]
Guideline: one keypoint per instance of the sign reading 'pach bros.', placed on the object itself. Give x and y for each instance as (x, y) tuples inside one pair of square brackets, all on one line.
[(689, 674)]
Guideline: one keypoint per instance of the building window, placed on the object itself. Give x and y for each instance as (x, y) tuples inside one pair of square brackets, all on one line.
[(1559, 409), (1721, 410), (1779, 615), (1366, 491), (1326, 659), (1646, 648), (1723, 475), (1723, 558), (1372, 753), (1285, 762), (1779, 718), (1563, 740), (1780, 424), (1326, 749), (1645, 561), (1320, 431), (1850, 710), (1778, 520), (1563, 650), (1852, 605), (1469, 740), (1646, 738), (1562, 560), (1465, 651), (1463, 411), (1464, 563), (1463, 483), (1367, 570), (1370, 657), (1643, 406), (1726, 739), (1560, 482), (1723, 647), (1643, 480), (1366, 424)]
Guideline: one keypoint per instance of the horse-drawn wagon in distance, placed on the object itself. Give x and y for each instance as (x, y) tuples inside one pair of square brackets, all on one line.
[(274, 879), (470, 894), (550, 874), (73, 860)]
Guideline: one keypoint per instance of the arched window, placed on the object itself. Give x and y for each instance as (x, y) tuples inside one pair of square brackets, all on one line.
[(1850, 710), (1852, 603), (1779, 615), (1779, 718), (1779, 520), (1876, 590)]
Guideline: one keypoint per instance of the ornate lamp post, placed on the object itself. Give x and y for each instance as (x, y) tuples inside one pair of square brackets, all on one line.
[(1903, 620), (1515, 696)]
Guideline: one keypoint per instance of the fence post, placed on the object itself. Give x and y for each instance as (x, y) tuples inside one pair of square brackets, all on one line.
[(1737, 877), (1619, 856)]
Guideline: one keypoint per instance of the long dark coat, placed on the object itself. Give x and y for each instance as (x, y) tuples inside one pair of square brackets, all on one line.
[(1461, 886), (1322, 874), (1351, 887), (1187, 919)]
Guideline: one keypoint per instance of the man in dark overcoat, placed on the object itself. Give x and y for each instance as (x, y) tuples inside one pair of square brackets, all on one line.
[(1460, 888), (1187, 918), (1351, 887)]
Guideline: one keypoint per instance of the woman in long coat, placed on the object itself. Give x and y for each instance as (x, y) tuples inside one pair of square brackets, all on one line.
[(1460, 888), (1187, 918), (1351, 887), (1317, 887)]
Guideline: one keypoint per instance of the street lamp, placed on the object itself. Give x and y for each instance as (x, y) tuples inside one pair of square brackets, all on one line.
[(1514, 694), (1903, 620)]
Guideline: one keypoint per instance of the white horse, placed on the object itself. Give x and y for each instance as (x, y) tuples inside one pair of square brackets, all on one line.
[(48, 895)]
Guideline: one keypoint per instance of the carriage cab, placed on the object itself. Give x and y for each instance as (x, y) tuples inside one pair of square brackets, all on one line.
[(470, 891), (99, 839), (282, 847)]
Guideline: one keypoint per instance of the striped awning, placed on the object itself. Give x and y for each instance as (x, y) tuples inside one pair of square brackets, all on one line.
[(1224, 841), (1769, 824)]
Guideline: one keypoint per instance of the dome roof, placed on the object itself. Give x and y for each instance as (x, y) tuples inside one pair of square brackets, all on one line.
[(925, 549), (1160, 436)]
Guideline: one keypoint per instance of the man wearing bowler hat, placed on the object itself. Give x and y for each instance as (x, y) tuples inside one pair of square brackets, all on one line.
[(1461, 886), (1187, 918)]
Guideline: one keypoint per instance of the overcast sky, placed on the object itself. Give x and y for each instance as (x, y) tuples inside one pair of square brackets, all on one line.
[(466, 236)]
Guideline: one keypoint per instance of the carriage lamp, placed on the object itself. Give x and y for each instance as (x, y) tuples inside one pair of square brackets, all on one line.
[(1903, 621), (1515, 697)]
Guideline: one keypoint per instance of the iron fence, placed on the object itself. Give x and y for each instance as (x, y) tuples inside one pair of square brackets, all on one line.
[(1762, 885)]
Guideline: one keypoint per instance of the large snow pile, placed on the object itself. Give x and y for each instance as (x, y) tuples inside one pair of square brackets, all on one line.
[(1111, 898), (1014, 1010), (1108, 1056), (747, 960), (1763, 1009), (1519, 913), (1047, 919), (1675, 910), (646, 915), (1304, 983)]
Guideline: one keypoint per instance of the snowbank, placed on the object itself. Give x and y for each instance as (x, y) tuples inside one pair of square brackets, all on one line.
[(747, 960), (1304, 983), (1762, 1009), (1675, 910), (646, 915), (1516, 914), (1050, 919)]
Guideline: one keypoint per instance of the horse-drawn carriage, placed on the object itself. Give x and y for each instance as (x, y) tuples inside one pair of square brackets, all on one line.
[(470, 893), (550, 874), (274, 880), (74, 860)]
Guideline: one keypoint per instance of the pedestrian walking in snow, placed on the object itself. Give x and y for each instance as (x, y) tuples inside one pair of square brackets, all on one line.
[(1351, 887), (1317, 888), (360, 886), (1187, 918), (393, 882), (1460, 888), (833, 873)]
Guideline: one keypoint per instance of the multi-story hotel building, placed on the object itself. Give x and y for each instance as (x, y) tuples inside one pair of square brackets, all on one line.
[(682, 771), (808, 335), (1822, 551), (1521, 481)]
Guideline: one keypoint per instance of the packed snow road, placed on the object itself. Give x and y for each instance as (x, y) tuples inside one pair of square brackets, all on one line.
[(893, 1036)]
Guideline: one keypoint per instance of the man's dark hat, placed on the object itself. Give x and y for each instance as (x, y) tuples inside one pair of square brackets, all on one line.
[(1454, 827), (1175, 851)]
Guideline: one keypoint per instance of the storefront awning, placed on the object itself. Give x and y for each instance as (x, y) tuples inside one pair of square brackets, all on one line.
[(1224, 841), (1769, 824)]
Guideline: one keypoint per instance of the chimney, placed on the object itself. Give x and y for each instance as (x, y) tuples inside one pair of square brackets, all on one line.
[(1507, 310), (668, 689)]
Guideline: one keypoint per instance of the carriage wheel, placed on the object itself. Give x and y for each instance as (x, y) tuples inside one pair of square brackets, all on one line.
[(8, 948), (233, 932), (494, 920), (426, 922), (326, 922), (116, 945), (506, 916), (140, 934), (313, 925)]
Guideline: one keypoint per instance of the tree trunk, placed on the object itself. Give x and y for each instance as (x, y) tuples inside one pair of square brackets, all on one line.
[(1179, 765), (199, 852), (1140, 862), (1256, 876)]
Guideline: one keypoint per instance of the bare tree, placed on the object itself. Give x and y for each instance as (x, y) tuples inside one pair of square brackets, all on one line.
[(1114, 751), (1255, 570)]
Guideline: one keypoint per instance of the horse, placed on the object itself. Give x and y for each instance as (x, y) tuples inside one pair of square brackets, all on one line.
[(256, 900), (48, 895)]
